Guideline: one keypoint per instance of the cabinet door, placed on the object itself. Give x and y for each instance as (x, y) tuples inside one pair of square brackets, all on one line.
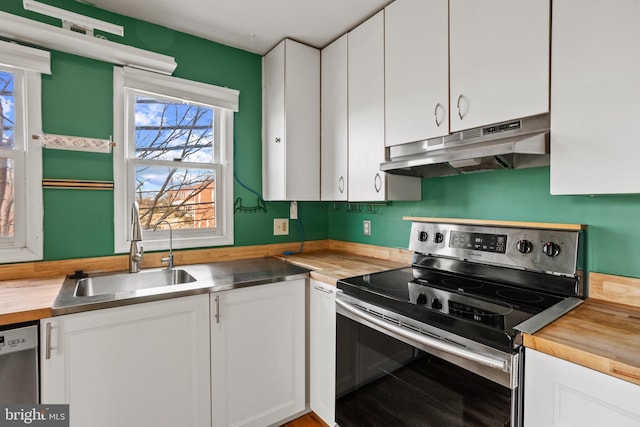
[(138, 365), (560, 393), (302, 109), (499, 53), (334, 129), (594, 103), (322, 350), (416, 70), (366, 110), (273, 141), (258, 354), (291, 110)]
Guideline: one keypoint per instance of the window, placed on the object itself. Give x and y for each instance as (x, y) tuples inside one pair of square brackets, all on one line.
[(20, 155), (174, 160)]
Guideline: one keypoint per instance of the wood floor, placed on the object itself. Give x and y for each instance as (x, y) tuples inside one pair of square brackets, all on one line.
[(309, 420)]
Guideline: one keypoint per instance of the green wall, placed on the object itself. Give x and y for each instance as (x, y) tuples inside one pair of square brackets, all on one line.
[(612, 239), (77, 99)]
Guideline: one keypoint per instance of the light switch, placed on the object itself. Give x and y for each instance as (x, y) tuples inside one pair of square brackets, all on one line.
[(280, 226)]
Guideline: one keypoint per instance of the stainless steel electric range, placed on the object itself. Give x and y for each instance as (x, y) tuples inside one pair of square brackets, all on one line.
[(440, 343)]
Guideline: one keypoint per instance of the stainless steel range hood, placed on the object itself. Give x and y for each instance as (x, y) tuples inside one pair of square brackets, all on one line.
[(516, 144)]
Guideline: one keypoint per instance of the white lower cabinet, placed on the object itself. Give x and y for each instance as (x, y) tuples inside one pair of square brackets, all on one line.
[(322, 350), (258, 354), (563, 394), (137, 365)]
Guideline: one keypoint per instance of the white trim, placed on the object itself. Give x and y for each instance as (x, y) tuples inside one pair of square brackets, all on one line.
[(28, 246), (121, 212), (123, 198), (39, 34), (28, 58), (175, 87), (76, 18)]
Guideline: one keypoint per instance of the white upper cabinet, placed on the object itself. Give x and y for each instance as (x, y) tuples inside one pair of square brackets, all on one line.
[(595, 77), (416, 70), (334, 127), (366, 119), (499, 59), (291, 120), (366, 109)]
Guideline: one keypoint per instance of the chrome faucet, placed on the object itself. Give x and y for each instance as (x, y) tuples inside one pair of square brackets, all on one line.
[(136, 251), (169, 258)]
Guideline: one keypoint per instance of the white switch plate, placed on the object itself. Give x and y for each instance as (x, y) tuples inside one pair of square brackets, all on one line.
[(280, 226), (366, 227)]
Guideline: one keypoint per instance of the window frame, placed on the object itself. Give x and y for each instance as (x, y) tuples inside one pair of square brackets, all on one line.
[(128, 82), (27, 65)]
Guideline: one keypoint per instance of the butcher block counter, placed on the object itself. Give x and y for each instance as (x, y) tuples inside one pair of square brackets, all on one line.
[(329, 266), (27, 299), (27, 291), (603, 333)]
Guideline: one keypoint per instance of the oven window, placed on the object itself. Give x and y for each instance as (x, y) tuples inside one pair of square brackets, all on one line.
[(381, 381)]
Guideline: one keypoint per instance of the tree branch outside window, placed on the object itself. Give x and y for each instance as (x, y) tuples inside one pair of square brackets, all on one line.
[(178, 133)]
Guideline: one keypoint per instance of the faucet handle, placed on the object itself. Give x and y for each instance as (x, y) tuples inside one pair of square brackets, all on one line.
[(168, 260)]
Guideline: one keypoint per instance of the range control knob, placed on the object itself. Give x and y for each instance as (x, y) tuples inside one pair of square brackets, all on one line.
[(551, 249), (438, 237), (524, 246), (422, 299), (423, 236), (436, 304)]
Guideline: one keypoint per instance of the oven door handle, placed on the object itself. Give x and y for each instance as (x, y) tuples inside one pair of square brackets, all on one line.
[(435, 343)]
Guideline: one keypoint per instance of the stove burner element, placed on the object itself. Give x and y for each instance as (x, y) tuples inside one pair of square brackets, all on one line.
[(520, 296), (461, 284)]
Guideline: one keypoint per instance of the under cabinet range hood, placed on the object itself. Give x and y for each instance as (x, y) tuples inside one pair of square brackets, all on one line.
[(515, 144)]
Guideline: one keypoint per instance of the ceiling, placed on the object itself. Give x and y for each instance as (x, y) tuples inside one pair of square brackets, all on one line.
[(252, 25)]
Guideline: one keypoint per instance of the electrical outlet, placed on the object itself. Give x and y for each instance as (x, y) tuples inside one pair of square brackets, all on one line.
[(280, 226), (293, 210), (366, 227)]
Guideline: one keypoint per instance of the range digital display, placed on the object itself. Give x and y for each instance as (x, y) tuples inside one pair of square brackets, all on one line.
[(478, 241)]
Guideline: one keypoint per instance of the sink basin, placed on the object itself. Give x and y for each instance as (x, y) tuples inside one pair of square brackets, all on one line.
[(130, 282)]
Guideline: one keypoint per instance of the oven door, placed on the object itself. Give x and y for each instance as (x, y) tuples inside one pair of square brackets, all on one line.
[(391, 373)]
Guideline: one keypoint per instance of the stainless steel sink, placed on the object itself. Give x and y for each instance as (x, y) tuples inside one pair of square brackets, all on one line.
[(130, 282)]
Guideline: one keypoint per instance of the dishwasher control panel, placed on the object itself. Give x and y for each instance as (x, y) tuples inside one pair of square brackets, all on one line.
[(13, 340)]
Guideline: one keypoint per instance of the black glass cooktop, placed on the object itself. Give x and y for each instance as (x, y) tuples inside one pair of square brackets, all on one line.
[(476, 308)]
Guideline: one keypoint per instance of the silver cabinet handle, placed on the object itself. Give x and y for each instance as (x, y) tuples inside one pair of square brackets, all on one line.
[(458, 106), (326, 291), (435, 343), (378, 183), (435, 114), (217, 316), (341, 185), (48, 341)]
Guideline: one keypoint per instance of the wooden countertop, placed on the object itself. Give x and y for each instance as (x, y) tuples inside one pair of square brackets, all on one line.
[(499, 223), (329, 266), (28, 290), (28, 299), (602, 334)]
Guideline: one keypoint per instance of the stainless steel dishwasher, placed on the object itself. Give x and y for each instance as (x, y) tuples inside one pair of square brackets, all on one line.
[(19, 365)]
